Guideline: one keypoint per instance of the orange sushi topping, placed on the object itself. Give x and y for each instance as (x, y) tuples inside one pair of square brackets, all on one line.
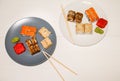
[(28, 31), (92, 15)]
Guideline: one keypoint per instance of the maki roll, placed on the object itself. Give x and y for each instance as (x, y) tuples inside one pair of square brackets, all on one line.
[(71, 15), (33, 46), (80, 28), (44, 32), (78, 17)]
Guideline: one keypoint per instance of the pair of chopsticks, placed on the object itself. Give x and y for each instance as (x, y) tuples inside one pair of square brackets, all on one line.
[(67, 24), (49, 56)]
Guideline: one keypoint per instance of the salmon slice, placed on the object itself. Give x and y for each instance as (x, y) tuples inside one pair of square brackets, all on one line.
[(28, 31), (23, 30), (92, 15), (93, 12), (91, 18)]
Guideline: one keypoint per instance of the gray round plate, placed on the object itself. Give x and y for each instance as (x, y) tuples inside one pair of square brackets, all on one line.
[(26, 58)]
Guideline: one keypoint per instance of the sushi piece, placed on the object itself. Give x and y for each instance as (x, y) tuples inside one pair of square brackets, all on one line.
[(33, 45), (98, 30), (71, 15), (101, 23), (44, 32), (15, 40), (28, 42), (78, 17), (88, 28), (19, 48), (92, 14), (37, 47), (80, 28), (32, 50), (46, 43), (28, 31), (33, 40)]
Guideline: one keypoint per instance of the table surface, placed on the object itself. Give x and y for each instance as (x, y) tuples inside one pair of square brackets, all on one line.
[(100, 62)]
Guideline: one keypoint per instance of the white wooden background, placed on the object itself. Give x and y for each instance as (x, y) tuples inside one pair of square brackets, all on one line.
[(100, 62)]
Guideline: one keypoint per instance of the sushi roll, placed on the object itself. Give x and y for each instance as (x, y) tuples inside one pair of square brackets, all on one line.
[(78, 17), (28, 42), (80, 28), (44, 32), (88, 28), (32, 50), (37, 48), (33, 46), (71, 15), (46, 43), (33, 40)]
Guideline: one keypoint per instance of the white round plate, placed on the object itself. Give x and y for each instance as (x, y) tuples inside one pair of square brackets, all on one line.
[(82, 39)]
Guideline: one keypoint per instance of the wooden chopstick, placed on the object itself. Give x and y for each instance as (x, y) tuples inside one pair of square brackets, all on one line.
[(67, 25), (54, 66), (61, 63)]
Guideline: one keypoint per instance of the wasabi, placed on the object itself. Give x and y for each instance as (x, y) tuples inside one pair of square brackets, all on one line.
[(15, 40), (98, 30)]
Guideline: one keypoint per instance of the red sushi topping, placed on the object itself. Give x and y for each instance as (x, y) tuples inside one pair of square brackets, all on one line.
[(19, 48), (101, 23)]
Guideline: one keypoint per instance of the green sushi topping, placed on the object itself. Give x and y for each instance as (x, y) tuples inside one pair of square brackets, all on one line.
[(15, 40), (98, 30)]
